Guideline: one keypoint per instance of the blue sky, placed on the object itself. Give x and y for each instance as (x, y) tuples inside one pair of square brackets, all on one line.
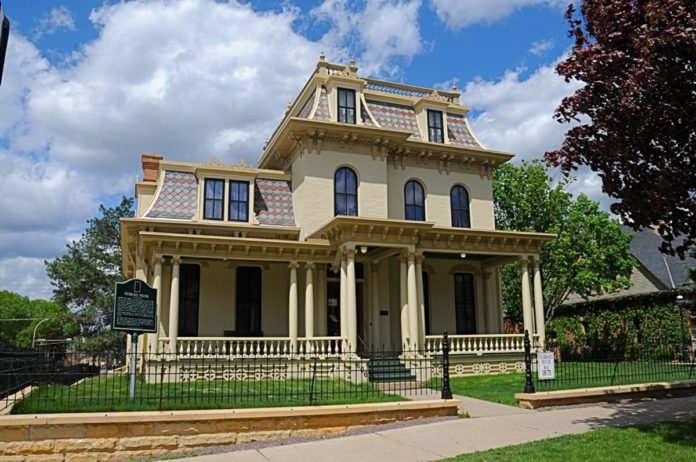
[(89, 85)]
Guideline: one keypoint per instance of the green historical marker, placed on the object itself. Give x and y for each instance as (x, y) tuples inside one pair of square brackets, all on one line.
[(135, 311)]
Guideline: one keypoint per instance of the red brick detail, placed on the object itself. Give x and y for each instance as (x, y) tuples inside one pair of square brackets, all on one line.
[(150, 166)]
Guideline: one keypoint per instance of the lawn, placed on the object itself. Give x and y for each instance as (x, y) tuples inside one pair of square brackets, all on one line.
[(111, 394), (501, 388), (673, 441)]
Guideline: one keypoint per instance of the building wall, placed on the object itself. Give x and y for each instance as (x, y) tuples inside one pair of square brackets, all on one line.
[(437, 189), (313, 186)]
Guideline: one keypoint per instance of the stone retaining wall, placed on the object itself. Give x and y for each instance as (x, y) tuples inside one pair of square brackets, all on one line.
[(97, 437)]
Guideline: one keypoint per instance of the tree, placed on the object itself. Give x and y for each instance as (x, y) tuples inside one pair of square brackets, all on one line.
[(637, 60), (590, 254), (84, 278), (20, 316)]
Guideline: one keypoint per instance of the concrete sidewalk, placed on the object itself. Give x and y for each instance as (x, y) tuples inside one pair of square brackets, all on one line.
[(449, 438)]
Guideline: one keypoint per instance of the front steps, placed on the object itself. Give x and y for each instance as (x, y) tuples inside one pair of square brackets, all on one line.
[(388, 370)]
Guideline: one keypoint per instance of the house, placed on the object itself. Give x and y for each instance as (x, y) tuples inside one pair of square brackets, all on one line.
[(367, 224)]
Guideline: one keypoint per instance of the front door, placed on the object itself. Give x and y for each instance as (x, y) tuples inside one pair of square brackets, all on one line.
[(333, 306), (248, 313), (464, 303)]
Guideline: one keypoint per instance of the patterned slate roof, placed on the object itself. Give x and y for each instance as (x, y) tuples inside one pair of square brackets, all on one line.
[(395, 90), (322, 112), (366, 119), (177, 198), (396, 116), (458, 131), (273, 202), (307, 108)]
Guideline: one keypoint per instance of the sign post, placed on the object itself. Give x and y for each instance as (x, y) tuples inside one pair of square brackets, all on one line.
[(546, 369), (135, 312)]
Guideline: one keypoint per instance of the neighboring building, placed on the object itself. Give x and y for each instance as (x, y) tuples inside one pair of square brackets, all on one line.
[(367, 224), (654, 271)]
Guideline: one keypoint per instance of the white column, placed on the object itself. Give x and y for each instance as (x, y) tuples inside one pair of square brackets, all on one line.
[(489, 296), (140, 273), (344, 304), (421, 301), (351, 300), (157, 284), (292, 307), (403, 283), (309, 301), (375, 306), (412, 302), (174, 306), (539, 304), (526, 297)]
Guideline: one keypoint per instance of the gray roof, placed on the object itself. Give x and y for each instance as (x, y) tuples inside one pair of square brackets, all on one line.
[(646, 248)]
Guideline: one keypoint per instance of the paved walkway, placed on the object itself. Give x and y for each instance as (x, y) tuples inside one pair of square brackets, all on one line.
[(451, 437)]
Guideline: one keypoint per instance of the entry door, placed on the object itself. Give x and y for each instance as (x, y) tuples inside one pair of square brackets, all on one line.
[(333, 306), (464, 303), (189, 291), (248, 312)]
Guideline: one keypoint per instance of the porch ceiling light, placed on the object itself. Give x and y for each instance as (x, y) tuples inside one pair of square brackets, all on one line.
[(463, 255), (363, 249)]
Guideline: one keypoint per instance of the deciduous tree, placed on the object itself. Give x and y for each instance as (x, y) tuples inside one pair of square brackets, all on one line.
[(590, 254), (636, 110)]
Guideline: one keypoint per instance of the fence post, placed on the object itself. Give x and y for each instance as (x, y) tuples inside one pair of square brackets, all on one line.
[(311, 385), (446, 391), (528, 383)]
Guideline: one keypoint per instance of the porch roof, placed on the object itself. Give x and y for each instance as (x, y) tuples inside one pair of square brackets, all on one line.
[(427, 236)]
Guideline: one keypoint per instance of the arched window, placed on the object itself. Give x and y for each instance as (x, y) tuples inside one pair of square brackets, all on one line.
[(459, 201), (346, 192), (414, 198)]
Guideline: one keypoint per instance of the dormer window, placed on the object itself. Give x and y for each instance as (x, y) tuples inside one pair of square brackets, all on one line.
[(239, 201), (346, 106), (435, 132), (214, 199)]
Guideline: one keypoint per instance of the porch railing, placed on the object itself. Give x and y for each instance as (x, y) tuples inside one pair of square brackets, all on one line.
[(479, 344), (206, 347)]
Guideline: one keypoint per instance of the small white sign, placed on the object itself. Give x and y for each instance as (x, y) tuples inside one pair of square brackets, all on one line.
[(546, 368)]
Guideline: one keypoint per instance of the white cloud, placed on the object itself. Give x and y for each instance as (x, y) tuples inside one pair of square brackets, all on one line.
[(540, 47), (26, 276), (457, 14), (385, 34), (58, 18), (515, 114)]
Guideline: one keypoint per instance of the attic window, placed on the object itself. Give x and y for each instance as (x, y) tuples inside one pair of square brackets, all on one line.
[(214, 198), (435, 132), (346, 106)]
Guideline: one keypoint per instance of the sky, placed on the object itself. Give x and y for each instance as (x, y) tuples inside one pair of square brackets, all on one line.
[(90, 85)]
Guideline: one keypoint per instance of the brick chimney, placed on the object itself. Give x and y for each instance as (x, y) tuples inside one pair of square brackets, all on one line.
[(150, 166)]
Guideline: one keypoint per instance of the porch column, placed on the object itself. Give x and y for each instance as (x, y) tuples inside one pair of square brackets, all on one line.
[(404, 301), (421, 301), (157, 284), (375, 305), (526, 297), (309, 301), (343, 308), (412, 301), (292, 307), (174, 306), (539, 304), (351, 300), (140, 273), (321, 300)]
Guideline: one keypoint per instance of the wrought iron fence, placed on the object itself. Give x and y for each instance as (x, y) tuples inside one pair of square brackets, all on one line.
[(165, 381), (663, 363)]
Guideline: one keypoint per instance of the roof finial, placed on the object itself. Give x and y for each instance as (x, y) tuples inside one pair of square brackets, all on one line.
[(352, 62), (322, 57), (454, 86)]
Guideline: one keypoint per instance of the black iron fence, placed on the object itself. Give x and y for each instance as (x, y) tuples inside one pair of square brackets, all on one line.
[(163, 381), (663, 363)]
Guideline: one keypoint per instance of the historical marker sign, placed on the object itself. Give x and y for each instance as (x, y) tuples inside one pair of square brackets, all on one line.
[(135, 307), (546, 368)]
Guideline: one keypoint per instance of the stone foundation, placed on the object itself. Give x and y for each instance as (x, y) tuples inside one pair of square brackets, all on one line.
[(96, 437)]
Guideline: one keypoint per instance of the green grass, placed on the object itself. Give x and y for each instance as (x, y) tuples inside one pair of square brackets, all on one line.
[(101, 394), (501, 388), (673, 441)]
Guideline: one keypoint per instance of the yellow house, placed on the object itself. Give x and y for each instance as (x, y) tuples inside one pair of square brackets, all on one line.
[(367, 225)]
